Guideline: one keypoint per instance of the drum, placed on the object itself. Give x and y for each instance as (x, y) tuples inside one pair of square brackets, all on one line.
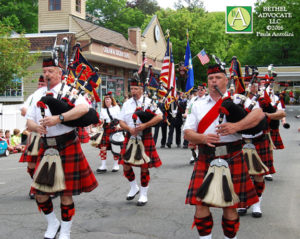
[(116, 139)]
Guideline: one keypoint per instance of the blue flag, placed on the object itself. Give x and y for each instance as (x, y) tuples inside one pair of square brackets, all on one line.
[(189, 67)]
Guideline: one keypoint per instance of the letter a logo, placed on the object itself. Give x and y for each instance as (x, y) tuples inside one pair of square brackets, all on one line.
[(239, 20)]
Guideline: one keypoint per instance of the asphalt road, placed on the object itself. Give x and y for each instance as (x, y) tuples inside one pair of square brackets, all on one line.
[(104, 213)]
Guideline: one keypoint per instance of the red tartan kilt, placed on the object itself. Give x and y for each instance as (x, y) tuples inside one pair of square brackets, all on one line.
[(83, 135), (105, 138), (276, 138), (263, 149), (243, 185), (27, 158), (78, 174), (150, 150)]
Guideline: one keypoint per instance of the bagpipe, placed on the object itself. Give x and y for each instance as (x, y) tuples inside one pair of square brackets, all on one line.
[(265, 101), (63, 103), (49, 176)]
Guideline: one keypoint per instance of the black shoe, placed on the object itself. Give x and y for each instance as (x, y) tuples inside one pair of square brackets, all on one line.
[(178, 146), (185, 146), (192, 161), (129, 198), (269, 178), (31, 195), (162, 146), (169, 146), (242, 211), (256, 214), (100, 171), (140, 204)]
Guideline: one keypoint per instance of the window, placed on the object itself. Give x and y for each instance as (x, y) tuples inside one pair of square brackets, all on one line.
[(54, 5), (78, 5), (14, 89)]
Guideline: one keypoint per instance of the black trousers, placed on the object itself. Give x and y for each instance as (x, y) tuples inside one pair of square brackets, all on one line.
[(177, 128), (163, 127)]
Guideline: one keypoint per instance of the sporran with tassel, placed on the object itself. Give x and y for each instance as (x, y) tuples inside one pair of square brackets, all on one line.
[(33, 144), (135, 152), (49, 176), (217, 187), (254, 163)]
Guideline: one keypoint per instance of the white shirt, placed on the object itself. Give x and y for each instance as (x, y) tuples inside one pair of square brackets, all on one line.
[(129, 108), (198, 111), (28, 102), (113, 110), (34, 112), (250, 136)]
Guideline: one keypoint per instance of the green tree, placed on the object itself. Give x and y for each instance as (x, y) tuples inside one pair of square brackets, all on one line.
[(15, 56), (115, 15), (21, 15), (148, 7)]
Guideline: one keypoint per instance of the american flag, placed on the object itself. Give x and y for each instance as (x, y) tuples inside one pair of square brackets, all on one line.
[(141, 67), (167, 74), (203, 57)]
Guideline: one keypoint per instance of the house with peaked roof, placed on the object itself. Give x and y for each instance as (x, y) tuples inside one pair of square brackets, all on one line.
[(116, 57)]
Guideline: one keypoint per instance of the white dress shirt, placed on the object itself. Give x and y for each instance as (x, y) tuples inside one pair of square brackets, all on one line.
[(113, 110), (199, 109), (34, 112), (129, 108), (250, 136)]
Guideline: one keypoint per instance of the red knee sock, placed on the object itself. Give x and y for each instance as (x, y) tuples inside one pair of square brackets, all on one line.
[(46, 207), (30, 171), (259, 187), (230, 227), (204, 225), (129, 174), (103, 153), (145, 178), (67, 212)]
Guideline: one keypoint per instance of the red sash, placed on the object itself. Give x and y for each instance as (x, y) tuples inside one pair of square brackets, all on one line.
[(210, 117)]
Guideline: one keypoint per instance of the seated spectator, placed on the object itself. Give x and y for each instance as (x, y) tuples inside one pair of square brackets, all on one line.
[(16, 141), (2, 138), (9, 147)]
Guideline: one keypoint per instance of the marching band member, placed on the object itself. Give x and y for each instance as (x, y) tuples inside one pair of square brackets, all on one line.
[(276, 116), (108, 115), (263, 149), (25, 157), (219, 145), (200, 95), (78, 176), (135, 128)]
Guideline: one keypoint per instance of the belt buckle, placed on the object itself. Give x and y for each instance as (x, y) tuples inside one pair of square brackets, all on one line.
[(51, 141), (221, 150)]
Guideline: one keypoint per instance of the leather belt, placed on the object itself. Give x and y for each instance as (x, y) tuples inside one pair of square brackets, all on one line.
[(257, 139), (60, 139), (221, 150)]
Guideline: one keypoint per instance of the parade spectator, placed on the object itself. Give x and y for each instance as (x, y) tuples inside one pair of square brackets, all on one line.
[(16, 141), (291, 95), (9, 146), (2, 138)]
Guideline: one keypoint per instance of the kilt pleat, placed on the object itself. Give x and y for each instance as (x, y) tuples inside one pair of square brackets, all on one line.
[(105, 138), (83, 135), (150, 150), (78, 174), (243, 185), (276, 138), (25, 158)]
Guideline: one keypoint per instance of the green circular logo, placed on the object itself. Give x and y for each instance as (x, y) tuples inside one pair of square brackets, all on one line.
[(239, 18)]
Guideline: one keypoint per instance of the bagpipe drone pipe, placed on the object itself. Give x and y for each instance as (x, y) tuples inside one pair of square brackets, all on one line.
[(60, 105)]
